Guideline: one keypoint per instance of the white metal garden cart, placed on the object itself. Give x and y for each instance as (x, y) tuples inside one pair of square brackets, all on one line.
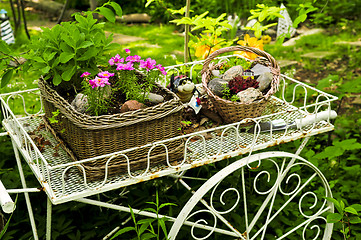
[(294, 181)]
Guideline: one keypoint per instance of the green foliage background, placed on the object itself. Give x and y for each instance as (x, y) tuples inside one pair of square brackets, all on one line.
[(336, 154)]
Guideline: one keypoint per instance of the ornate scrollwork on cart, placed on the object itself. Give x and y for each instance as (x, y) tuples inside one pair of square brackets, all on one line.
[(292, 177)]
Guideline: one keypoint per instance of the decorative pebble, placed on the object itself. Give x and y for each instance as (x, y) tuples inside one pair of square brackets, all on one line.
[(155, 98), (264, 80), (80, 103), (249, 95), (131, 105), (233, 72), (216, 73), (216, 85)]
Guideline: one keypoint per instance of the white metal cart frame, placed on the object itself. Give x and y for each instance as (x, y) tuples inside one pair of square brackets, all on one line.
[(62, 181)]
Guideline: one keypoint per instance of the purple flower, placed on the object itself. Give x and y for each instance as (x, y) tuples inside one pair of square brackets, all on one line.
[(105, 74), (99, 82), (127, 51), (85, 74), (134, 58), (149, 64)]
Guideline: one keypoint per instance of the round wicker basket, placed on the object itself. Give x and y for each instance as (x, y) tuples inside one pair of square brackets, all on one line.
[(235, 111)]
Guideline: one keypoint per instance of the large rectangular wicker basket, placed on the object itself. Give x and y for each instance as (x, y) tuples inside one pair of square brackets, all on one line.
[(90, 136), (235, 111)]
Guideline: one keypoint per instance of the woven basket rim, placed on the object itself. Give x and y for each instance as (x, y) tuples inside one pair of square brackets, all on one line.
[(114, 120)]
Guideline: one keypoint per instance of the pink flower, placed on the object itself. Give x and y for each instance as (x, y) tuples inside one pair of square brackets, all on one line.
[(134, 58), (85, 74), (99, 82), (161, 69), (115, 59), (105, 74), (127, 66), (127, 51), (149, 64)]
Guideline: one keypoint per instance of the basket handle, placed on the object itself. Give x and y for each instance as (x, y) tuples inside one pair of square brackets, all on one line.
[(257, 51)]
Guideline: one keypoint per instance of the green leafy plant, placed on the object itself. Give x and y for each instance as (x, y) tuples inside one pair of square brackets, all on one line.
[(263, 13), (144, 228), (346, 216), (62, 53), (53, 118), (208, 39), (9, 63)]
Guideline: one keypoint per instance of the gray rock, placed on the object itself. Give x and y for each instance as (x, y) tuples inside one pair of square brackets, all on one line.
[(249, 95), (232, 73), (216, 85), (259, 69), (80, 103), (155, 98), (264, 81)]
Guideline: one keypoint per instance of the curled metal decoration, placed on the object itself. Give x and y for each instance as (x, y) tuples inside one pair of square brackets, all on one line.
[(204, 147), (287, 181), (202, 221), (222, 138), (222, 201), (282, 177), (24, 103), (268, 179), (313, 226), (312, 206)]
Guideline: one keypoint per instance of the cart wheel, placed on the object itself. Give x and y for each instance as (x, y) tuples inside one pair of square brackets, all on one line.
[(269, 195)]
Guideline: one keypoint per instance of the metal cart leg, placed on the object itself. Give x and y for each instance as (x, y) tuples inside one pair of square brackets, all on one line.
[(48, 219), (26, 194)]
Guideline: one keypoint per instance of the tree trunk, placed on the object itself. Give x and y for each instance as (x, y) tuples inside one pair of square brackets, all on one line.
[(93, 5), (186, 35)]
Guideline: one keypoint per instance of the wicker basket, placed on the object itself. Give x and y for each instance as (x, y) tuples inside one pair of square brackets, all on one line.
[(235, 111), (90, 136)]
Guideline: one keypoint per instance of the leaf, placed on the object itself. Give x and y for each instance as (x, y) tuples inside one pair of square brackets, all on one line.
[(91, 52), (351, 210), (82, 20), (162, 225), (357, 207), (148, 236), (143, 227), (334, 218), (355, 220), (65, 57), (4, 47), (6, 77), (167, 204), (149, 2), (118, 10), (150, 210), (86, 44), (46, 69), (336, 203), (121, 231), (107, 13), (49, 57), (68, 74)]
